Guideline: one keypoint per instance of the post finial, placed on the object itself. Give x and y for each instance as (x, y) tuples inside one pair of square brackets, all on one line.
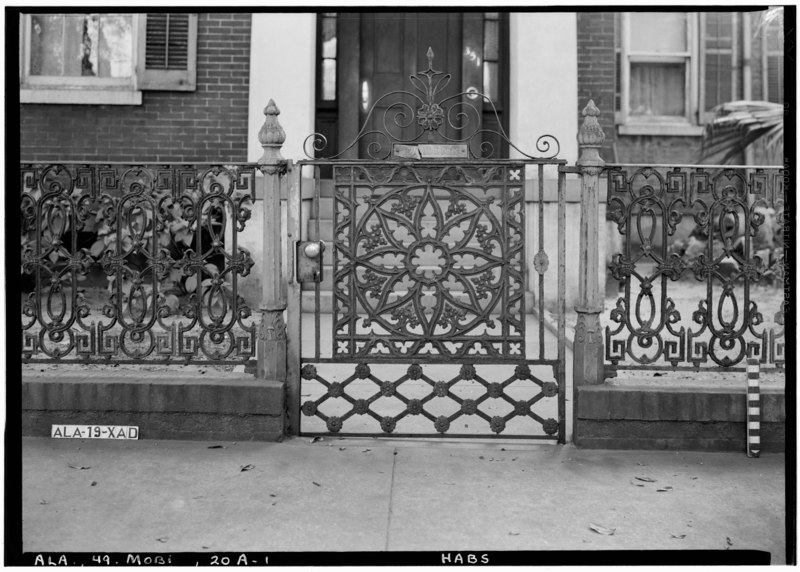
[(590, 134), (430, 57), (271, 136)]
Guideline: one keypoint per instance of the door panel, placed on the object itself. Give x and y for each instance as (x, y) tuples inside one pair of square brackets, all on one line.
[(393, 47), (379, 51)]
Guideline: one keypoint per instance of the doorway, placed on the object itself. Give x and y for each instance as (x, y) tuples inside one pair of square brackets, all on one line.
[(368, 53)]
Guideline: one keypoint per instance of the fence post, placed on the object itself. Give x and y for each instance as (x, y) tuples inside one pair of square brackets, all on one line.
[(271, 345), (588, 347)]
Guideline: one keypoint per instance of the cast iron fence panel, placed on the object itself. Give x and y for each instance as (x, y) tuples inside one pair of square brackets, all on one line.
[(166, 238), (429, 259), (427, 325), (735, 249)]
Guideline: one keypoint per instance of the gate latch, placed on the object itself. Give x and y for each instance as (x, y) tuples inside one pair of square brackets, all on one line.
[(309, 260)]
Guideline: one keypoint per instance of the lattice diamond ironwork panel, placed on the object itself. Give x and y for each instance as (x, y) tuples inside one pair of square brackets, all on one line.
[(415, 399), (429, 261)]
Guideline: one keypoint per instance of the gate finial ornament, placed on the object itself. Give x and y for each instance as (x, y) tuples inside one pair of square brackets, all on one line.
[(590, 133), (271, 136)]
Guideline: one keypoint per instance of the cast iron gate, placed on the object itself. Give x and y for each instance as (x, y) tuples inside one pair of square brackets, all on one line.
[(417, 321)]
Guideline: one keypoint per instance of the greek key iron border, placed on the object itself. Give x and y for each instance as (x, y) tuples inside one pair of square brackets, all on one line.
[(729, 206), (159, 234)]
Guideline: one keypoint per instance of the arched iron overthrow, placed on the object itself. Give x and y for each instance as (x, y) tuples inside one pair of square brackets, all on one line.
[(432, 116)]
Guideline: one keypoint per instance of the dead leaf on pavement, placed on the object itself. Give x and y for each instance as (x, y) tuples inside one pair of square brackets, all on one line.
[(645, 479), (513, 533), (729, 543), (342, 448), (366, 450), (315, 439), (637, 484), (247, 467), (43, 501), (71, 466), (273, 495), (216, 447), (664, 489), (93, 483), (162, 539), (316, 483), (602, 530), (678, 536)]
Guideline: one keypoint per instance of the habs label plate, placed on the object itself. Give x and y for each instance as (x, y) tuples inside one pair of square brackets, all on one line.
[(94, 432)]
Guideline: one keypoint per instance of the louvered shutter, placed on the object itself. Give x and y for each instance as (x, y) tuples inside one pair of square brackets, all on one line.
[(168, 54)]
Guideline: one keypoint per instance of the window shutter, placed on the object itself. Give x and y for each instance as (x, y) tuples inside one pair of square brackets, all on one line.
[(168, 54)]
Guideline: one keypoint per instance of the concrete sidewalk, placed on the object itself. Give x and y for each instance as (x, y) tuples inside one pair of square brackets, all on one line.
[(393, 495)]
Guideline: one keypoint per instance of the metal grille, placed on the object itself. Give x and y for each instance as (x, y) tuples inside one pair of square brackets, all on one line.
[(162, 243), (426, 399), (428, 260), (426, 334), (734, 249)]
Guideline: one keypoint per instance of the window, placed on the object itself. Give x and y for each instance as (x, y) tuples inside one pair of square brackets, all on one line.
[(105, 58), (719, 63), (327, 23), (658, 76), (772, 61)]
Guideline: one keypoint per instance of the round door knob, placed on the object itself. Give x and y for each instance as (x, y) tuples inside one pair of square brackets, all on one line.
[(312, 250)]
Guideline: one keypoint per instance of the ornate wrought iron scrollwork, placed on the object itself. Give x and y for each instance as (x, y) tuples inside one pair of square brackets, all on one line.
[(451, 119), (428, 259), (166, 237), (735, 244)]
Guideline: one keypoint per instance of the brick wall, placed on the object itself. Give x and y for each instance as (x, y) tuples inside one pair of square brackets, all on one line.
[(596, 70), (209, 124), (658, 149)]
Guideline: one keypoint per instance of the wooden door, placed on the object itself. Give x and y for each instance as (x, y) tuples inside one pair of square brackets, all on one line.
[(377, 52), (394, 46)]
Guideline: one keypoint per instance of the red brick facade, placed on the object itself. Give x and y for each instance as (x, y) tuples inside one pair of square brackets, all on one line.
[(597, 80), (596, 70), (206, 125)]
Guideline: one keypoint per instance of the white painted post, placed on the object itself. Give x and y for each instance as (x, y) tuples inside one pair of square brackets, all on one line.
[(271, 346), (588, 346)]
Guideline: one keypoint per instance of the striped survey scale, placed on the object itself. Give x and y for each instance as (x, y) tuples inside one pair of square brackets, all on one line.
[(753, 408)]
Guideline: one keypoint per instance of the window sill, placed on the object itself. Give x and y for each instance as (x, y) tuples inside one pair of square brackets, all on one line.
[(675, 129), (81, 96)]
